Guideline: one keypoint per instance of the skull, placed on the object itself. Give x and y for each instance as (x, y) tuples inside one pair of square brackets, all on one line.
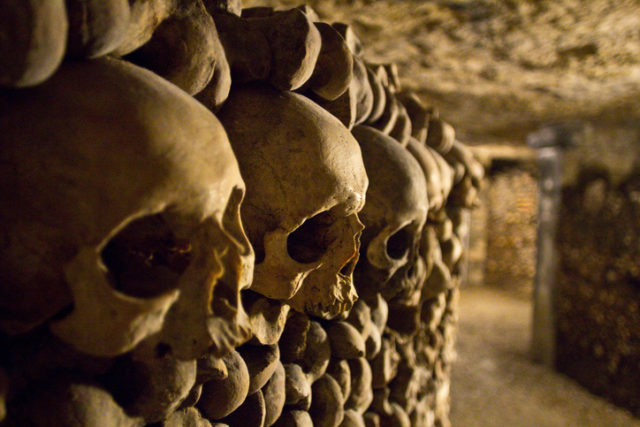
[(124, 201), (306, 184), (394, 215)]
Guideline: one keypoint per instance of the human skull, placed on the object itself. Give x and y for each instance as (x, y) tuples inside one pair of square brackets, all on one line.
[(124, 201), (394, 214), (306, 184)]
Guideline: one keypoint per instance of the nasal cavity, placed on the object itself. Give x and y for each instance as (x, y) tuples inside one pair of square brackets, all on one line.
[(309, 242), (145, 259)]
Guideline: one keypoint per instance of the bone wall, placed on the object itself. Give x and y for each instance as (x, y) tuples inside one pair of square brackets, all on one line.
[(220, 216), (599, 285)]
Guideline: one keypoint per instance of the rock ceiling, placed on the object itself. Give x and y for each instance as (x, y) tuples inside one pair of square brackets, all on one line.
[(499, 69)]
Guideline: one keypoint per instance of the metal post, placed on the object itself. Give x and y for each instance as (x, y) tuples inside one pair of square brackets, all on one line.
[(548, 147)]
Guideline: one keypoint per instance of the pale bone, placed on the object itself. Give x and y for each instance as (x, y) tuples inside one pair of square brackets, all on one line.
[(231, 6), (303, 198), (349, 36), (439, 279), (394, 79), (446, 173), (405, 386), (441, 135), (294, 418), (190, 417), (251, 413), (379, 312), (327, 404), (401, 131), (451, 252), (184, 49), (297, 385), (431, 172), (418, 113), (317, 352), (281, 48), (464, 193), (339, 371), (177, 175), (344, 107), (162, 383), (69, 402), (294, 338), (268, 317), (333, 72), (145, 17), (193, 397), (387, 120), (404, 312), (354, 105), (33, 34), (397, 417), (360, 318), (373, 343), (379, 96), (274, 392), (361, 391), (407, 282), (422, 416), (433, 311), (96, 27), (364, 92), (261, 362), (385, 365), (310, 12), (391, 414), (211, 367), (346, 342), (371, 419), (463, 154), (444, 228), (459, 171), (352, 419), (222, 397), (395, 211)]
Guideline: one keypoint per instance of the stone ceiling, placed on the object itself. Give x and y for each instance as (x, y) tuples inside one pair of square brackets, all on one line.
[(499, 69)]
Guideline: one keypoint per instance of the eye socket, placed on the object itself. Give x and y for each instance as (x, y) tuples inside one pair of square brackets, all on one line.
[(145, 259), (309, 242), (398, 244)]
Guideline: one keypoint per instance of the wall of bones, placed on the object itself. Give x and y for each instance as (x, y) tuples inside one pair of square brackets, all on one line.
[(217, 216)]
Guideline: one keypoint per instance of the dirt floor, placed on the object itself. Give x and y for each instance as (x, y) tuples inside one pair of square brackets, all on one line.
[(495, 384)]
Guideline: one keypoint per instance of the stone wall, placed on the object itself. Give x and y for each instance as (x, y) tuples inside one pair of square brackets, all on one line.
[(220, 216)]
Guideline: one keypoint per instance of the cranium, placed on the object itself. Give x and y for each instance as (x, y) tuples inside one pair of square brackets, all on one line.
[(306, 184), (124, 200), (394, 214)]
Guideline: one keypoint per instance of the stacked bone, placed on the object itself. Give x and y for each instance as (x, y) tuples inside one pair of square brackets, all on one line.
[(165, 265)]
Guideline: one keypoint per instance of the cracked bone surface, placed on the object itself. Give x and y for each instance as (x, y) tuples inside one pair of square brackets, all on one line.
[(92, 254), (303, 197)]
